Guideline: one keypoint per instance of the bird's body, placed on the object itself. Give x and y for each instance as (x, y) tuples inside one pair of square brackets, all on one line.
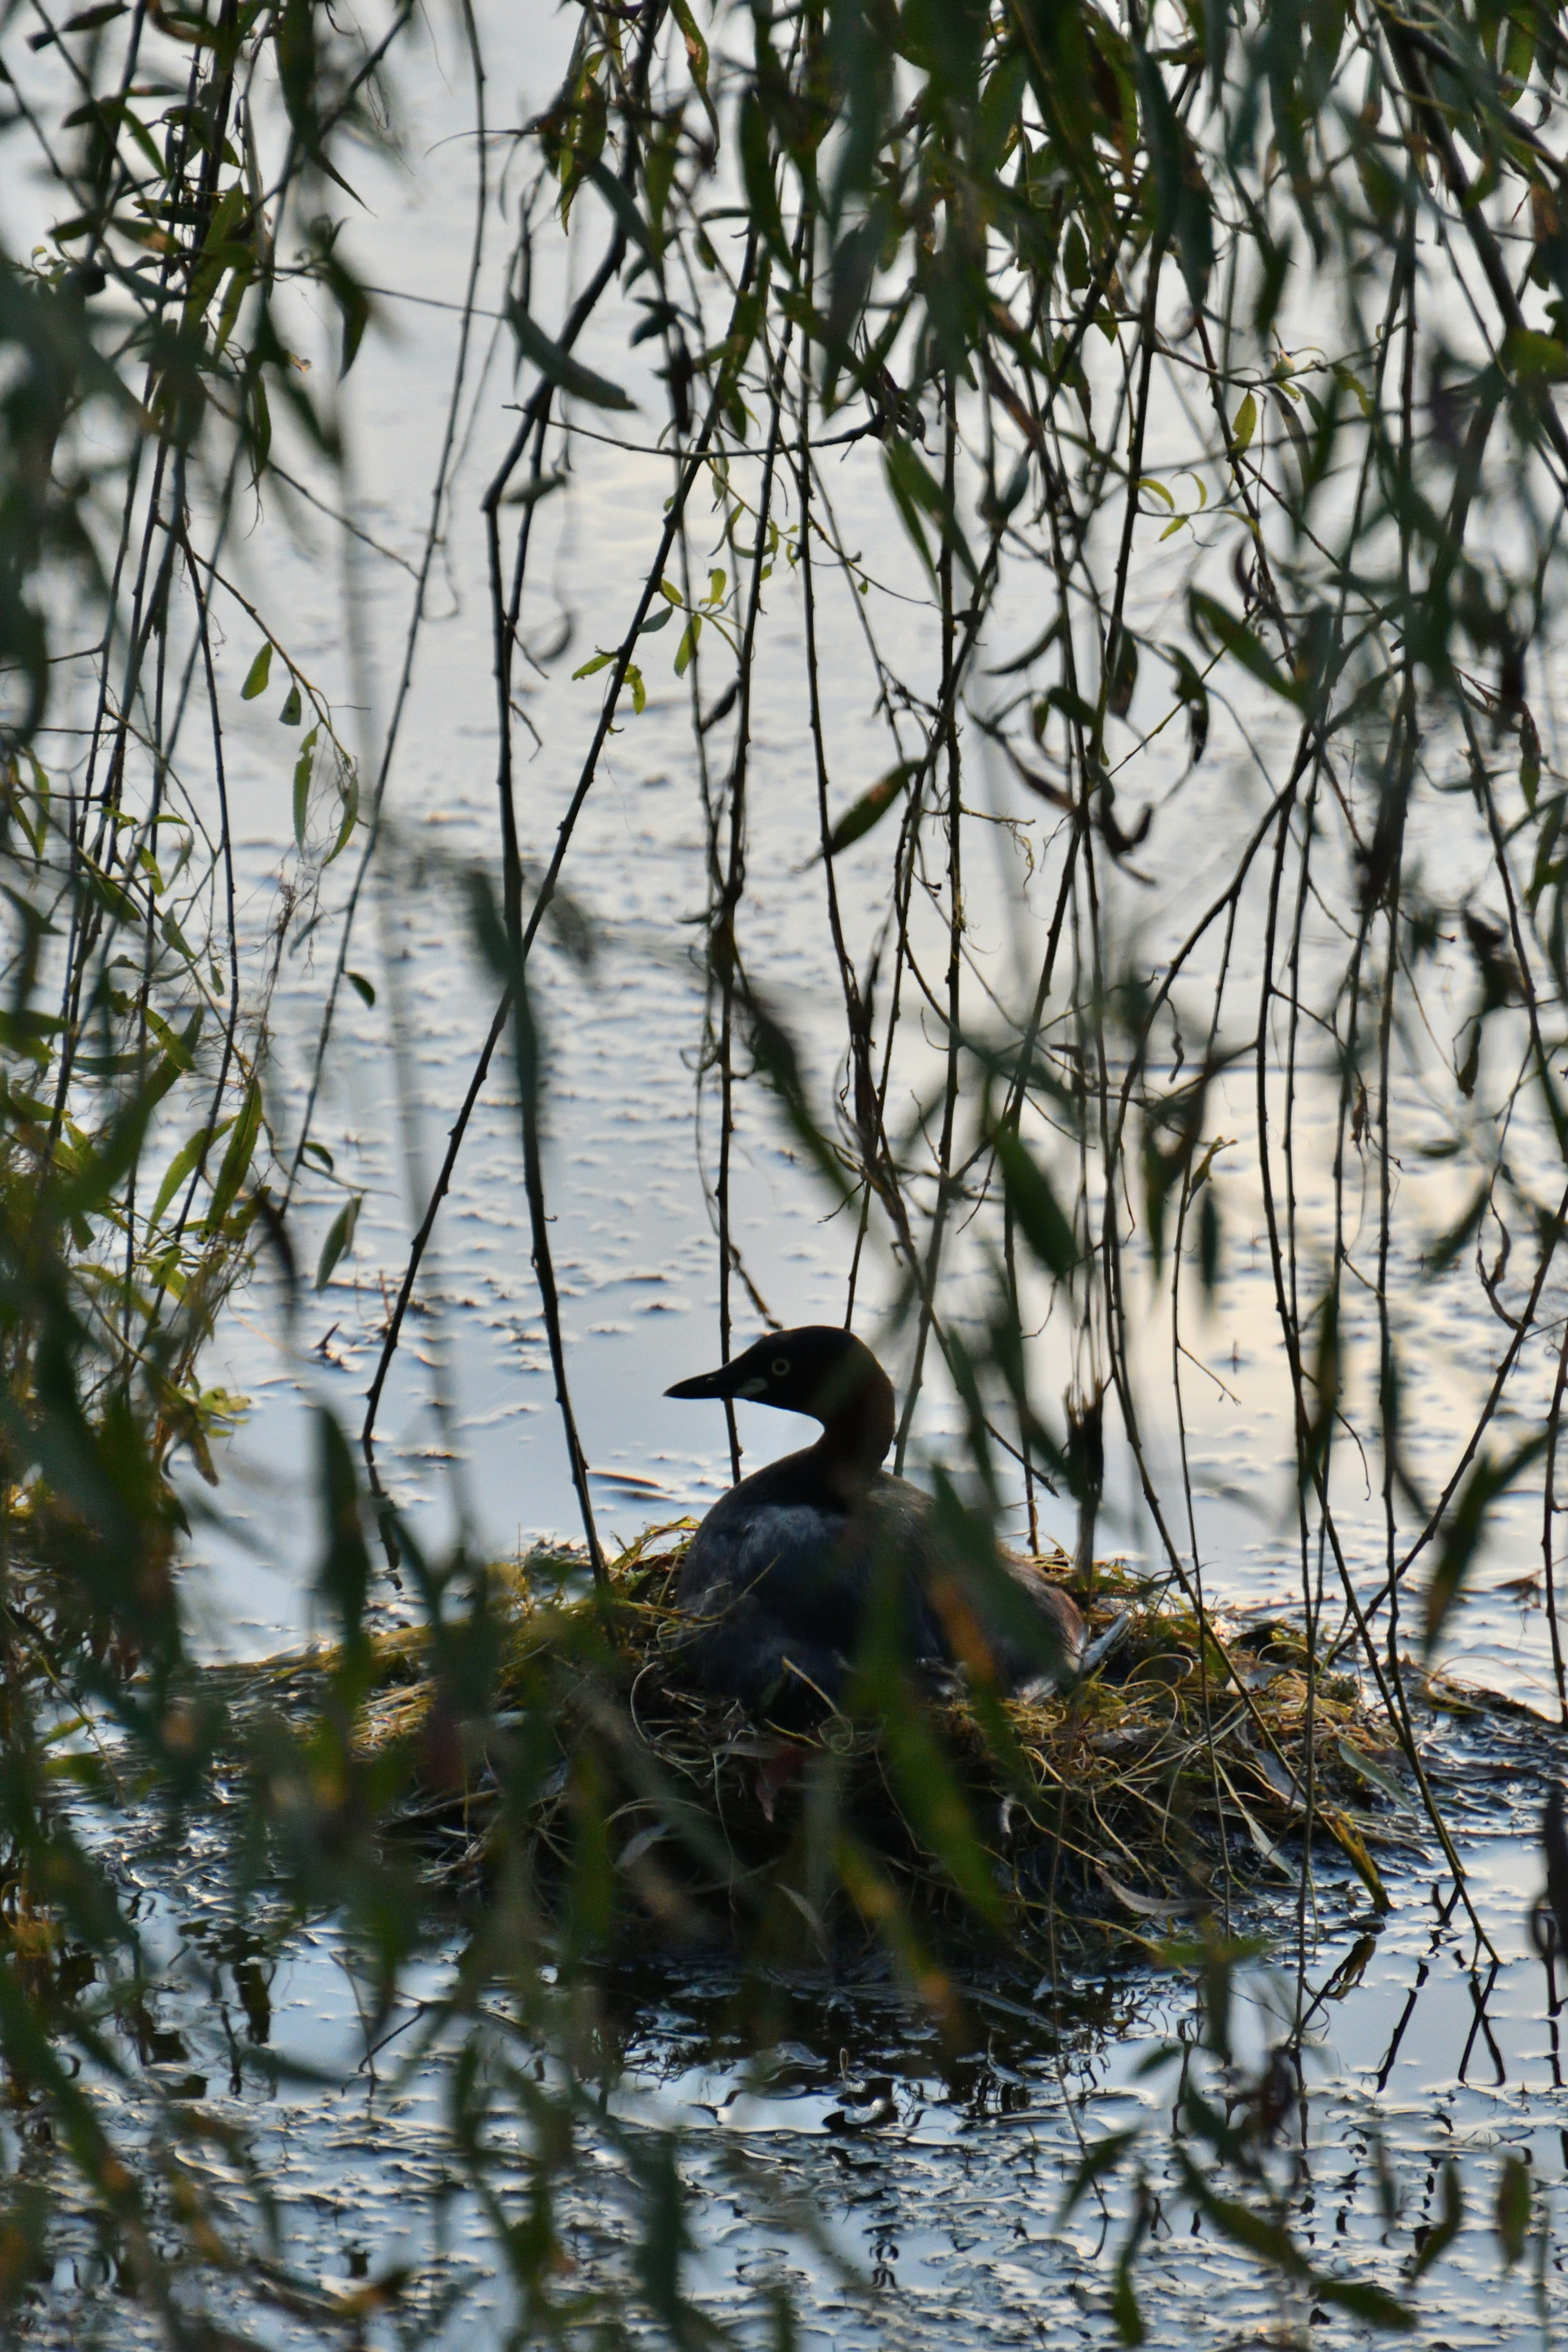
[(782, 1571)]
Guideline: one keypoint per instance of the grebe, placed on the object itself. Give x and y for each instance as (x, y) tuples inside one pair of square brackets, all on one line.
[(781, 1568)]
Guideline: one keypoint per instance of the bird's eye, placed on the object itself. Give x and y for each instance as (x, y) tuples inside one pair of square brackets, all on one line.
[(779, 1366)]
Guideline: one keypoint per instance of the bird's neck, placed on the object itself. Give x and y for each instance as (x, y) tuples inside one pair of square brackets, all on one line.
[(855, 1441)]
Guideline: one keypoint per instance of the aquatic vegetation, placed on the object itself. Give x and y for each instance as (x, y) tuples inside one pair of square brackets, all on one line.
[(1156, 1790)]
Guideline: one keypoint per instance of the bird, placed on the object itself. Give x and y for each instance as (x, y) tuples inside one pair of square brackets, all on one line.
[(779, 1572)]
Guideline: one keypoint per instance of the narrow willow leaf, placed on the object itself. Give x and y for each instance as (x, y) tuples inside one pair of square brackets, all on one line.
[(529, 494), (697, 54), (1244, 425), (622, 203), (597, 661), (1440, 2236), (1123, 676), (1376, 1777), (1034, 1204), (1213, 624), (1364, 2301), (256, 676), (928, 1790), (292, 711), (246, 1128), (348, 792), (185, 1160), (688, 644), (578, 382), (1513, 2204), (1529, 758), (872, 806), (1125, 2316), (339, 1237), (1488, 1479), (1098, 2159), (303, 766), (361, 987)]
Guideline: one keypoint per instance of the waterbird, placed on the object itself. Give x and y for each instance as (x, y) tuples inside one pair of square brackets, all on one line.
[(780, 1571)]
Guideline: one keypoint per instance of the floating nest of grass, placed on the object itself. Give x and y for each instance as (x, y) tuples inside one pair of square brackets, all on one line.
[(1181, 1771)]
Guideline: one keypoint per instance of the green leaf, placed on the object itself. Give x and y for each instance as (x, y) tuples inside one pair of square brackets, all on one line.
[(872, 806), (184, 1161), (596, 661), (289, 716), (578, 382), (1364, 2301), (1096, 2161), (1376, 1777), (344, 1576), (1123, 676), (688, 644), (318, 1151), (1244, 425), (256, 676), (1269, 2239), (1181, 196), (243, 1134), (1443, 2233), (1488, 1481), (531, 492), (917, 493), (339, 1237), (357, 982), (622, 203), (1513, 2206), (1213, 624), (1126, 2317), (697, 54), (928, 1791), (1072, 706), (1351, 382), (1529, 758), (303, 766), (349, 793), (639, 691), (756, 171), (1535, 359), (1034, 1204)]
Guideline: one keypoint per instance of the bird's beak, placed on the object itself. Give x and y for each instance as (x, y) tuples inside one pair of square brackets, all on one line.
[(724, 1383)]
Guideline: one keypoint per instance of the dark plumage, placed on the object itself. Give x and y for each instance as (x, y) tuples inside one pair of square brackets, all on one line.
[(781, 1568)]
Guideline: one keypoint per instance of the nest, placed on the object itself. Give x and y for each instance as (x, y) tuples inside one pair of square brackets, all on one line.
[(1185, 1767)]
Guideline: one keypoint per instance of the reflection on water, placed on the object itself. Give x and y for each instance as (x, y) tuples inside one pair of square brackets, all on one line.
[(905, 2188)]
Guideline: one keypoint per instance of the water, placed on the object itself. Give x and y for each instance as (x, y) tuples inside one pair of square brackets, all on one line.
[(907, 2190), (935, 2199)]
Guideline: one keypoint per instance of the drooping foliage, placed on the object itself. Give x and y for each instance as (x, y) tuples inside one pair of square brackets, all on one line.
[(1206, 361)]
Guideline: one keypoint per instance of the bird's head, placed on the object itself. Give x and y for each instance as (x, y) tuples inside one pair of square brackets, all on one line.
[(818, 1370)]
